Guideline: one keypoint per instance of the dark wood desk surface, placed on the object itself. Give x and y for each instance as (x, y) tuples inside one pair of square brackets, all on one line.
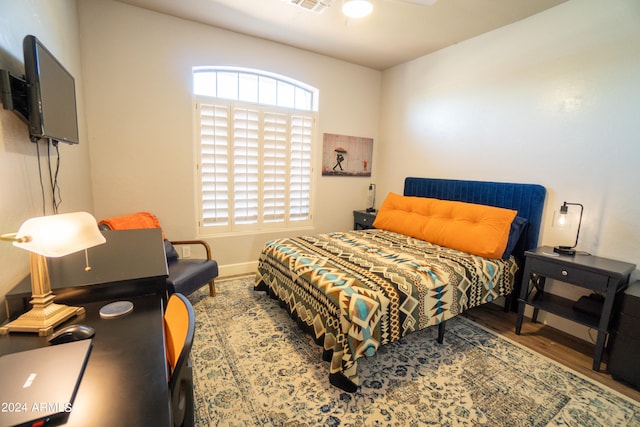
[(125, 382), (127, 254)]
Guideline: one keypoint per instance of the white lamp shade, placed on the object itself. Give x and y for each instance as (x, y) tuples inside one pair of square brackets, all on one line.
[(357, 8), (60, 235)]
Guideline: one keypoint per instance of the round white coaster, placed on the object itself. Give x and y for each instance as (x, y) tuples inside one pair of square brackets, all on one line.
[(116, 309)]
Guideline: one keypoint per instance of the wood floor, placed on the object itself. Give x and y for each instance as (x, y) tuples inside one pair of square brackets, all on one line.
[(557, 345)]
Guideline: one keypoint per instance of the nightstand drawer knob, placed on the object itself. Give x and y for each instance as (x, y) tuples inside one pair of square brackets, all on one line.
[(565, 273)]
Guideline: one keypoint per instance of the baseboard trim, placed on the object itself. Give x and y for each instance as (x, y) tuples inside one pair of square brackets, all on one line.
[(237, 269)]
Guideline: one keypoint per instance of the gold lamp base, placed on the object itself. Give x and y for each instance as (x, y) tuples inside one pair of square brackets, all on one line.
[(42, 319), (45, 314)]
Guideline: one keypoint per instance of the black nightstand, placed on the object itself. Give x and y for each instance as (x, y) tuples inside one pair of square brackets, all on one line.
[(363, 220), (624, 343), (604, 276)]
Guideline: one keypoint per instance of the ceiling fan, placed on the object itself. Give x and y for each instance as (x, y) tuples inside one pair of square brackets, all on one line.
[(351, 8), (361, 8)]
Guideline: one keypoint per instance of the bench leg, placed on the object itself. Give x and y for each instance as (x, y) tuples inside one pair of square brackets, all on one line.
[(212, 288)]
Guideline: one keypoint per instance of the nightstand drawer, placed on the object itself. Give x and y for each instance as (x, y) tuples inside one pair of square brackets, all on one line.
[(363, 219), (565, 273)]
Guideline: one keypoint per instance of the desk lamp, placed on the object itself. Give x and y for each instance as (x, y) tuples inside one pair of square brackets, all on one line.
[(50, 236), (561, 221)]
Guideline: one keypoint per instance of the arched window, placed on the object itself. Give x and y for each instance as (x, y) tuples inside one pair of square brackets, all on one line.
[(253, 86), (255, 138)]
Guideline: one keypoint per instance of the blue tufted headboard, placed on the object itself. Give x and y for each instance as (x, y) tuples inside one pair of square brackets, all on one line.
[(527, 199)]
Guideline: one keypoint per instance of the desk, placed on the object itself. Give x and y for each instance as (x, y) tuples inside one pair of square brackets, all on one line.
[(604, 276), (130, 263), (125, 382)]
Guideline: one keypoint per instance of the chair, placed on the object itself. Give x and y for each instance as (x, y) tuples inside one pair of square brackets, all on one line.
[(186, 275), (179, 328)]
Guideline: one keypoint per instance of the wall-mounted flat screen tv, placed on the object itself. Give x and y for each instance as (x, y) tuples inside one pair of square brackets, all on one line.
[(52, 95)]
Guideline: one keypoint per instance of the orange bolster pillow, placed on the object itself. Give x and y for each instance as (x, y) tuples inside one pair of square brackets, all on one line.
[(476, 229)]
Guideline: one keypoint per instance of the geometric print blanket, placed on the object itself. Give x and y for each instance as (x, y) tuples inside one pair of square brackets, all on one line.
[(355, 291)]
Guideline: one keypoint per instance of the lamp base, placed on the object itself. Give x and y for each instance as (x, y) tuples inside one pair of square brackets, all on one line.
[(45, 314), (565, 250), (42, 318)]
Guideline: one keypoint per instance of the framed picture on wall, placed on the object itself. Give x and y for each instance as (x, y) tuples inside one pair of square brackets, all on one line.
[(344, 155)]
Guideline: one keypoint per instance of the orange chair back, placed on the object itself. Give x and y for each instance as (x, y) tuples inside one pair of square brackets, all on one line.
[(179, 326), (176, 322)]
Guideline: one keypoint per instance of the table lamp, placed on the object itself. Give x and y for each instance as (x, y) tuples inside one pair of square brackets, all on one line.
[(50, 236), (372, 198), (560, 221)]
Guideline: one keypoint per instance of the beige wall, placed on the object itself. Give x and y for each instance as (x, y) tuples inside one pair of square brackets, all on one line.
[(552, 100), (56, 26), (138, 77)]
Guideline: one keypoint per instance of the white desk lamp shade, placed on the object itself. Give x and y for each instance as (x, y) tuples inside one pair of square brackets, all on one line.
[(60, 235)]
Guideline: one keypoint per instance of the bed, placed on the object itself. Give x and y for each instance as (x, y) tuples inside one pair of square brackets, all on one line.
[(440, 248)]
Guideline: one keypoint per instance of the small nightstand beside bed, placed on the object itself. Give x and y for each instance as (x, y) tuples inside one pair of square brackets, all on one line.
[(441, 248)]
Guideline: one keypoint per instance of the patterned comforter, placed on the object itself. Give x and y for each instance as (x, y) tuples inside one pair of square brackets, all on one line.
[(358, 290)]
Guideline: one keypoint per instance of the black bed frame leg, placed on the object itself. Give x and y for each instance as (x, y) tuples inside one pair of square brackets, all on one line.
[(507, 303), (441, 332)]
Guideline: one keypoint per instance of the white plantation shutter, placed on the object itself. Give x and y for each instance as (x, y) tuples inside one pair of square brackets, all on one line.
[(214, 164), (275, 166), (246, 173), (300, 168), (255, 164)]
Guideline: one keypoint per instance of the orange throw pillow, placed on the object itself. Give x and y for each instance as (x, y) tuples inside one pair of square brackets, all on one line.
[(133, 221), (476, 229)]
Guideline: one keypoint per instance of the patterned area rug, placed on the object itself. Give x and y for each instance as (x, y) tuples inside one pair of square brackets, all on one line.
[(253, 366)]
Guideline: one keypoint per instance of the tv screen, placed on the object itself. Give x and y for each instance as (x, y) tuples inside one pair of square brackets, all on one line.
[(52, 95)]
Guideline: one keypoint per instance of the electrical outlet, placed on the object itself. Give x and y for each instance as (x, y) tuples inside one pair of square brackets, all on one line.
[(186, 251)]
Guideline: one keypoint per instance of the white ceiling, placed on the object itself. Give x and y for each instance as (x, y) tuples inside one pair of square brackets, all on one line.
[(394, 33)]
